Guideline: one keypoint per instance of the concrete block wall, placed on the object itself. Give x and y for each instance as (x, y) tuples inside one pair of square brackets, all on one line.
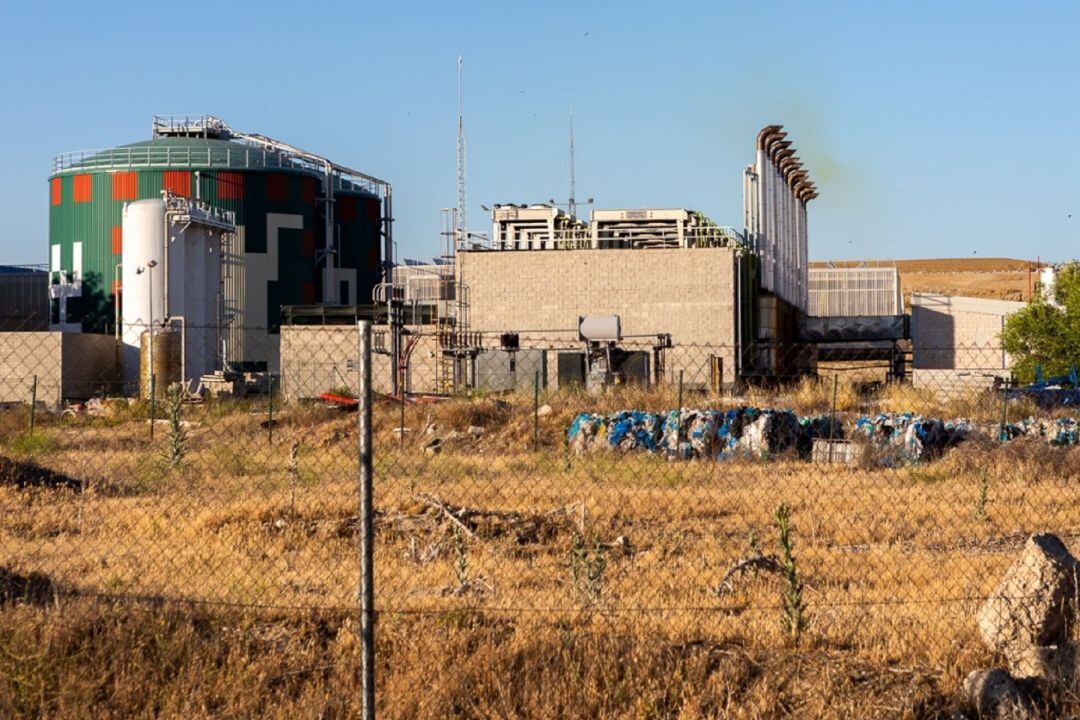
[(90, 365), (686, 292), (946, 384), (24, 355), (959, 333), (68, 366), (320, 358)]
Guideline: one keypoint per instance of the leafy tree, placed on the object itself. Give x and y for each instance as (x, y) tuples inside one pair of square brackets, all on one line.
[(1044, 333)]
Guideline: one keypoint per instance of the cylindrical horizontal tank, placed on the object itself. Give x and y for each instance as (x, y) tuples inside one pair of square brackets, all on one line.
[(159, 361)]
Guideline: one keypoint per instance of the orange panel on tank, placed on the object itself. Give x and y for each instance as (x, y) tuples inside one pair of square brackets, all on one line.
[(83, 188), (56, 190), (230, 186), (117, 239), (307, 248), (309, 190), (125, 186), (178, 182), (347, 209), (277, 187)]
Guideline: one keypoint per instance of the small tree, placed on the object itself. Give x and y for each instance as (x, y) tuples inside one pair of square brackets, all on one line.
[(793, 619), (1046, 334)]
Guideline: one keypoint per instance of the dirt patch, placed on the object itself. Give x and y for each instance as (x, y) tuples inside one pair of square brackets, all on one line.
[(25, 473), (35, 588)]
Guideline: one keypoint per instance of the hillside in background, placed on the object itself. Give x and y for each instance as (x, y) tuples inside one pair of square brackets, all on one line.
[(995, 278)]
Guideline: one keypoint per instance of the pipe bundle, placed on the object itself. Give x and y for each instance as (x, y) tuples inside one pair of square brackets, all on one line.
[(776, 190)]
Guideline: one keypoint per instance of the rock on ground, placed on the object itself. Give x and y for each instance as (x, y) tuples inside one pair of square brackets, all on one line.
[(1036, 601), (1053, 663), (994, 694)]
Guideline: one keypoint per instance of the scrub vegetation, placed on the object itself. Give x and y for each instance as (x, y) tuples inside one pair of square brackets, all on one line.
[(511, 581)]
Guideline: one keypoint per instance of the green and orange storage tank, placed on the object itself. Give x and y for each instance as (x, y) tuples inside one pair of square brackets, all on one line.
[(88, 190)]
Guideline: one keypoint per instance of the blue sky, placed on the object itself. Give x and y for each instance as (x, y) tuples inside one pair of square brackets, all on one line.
[(932, 129)]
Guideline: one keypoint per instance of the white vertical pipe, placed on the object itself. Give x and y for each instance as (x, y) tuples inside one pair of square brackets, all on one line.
[(782, 236), (785, 238), (796, 285), (804, 250), (764, 187), (773, 226)]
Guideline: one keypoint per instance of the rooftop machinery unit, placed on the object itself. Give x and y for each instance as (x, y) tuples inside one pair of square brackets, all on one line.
[(308, 230), (173, 280), (776, 190), (546, 227), (536, 227), (659, 228)]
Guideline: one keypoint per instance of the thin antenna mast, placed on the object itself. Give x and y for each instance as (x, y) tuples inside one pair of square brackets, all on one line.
[(462, 223), (573, 201)]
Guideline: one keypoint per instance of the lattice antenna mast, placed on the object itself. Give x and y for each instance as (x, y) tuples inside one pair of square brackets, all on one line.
[(462, 222), (573, 195)]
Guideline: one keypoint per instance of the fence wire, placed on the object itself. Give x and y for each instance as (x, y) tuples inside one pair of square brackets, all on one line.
[(530, 493)]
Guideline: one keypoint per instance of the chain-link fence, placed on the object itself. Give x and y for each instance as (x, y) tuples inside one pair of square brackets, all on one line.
[(561, 530)]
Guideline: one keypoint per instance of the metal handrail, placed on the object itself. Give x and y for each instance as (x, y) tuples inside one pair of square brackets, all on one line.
[(239, 158)]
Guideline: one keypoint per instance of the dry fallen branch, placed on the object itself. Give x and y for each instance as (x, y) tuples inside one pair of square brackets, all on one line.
[(478, 586), (439, 505), (768, 563), (524, 527)]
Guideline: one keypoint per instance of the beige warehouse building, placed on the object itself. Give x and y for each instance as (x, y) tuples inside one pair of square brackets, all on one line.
[(956, 341)]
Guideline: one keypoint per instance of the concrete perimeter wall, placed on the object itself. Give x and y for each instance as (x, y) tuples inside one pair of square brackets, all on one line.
[(68, 366), (322, 358), (956, 342), (959, 333)]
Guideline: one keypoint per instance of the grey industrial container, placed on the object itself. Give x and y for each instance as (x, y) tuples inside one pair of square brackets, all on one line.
[(571, 369), (503, 370)]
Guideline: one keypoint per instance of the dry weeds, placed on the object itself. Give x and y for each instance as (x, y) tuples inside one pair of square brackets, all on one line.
[(893, 561)]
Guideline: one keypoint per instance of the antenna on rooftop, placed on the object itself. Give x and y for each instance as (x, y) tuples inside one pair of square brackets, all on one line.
[(573, 201), (462, 224)]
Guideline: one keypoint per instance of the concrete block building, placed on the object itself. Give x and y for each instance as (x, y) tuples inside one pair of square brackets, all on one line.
[(690, 293), (956, 341)]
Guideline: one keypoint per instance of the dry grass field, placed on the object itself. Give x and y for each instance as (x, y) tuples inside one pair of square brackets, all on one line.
[(513, 580)]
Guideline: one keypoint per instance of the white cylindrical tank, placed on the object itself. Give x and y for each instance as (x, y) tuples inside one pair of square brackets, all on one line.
[(143, 286), (171, 276)]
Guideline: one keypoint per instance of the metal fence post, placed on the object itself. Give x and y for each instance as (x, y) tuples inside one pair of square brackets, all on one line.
[(153, 403), (536, 411), (1003, 433), (367, 536), (33, 404), (270, 409)]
